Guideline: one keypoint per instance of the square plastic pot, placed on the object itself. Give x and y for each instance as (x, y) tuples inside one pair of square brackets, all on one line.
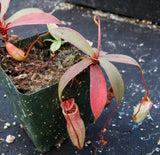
[(40, 112)]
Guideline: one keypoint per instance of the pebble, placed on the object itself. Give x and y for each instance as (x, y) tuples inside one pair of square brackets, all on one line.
[(157, 126), (21, 126), (88, 142), (7, 125), (10, 139), (120, 117), (14, 123)]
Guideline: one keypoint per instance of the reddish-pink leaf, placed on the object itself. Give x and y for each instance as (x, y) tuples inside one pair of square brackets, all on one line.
[(34, 18), (74, 38), (98, 90), (22, 13), (121, 59), (71, 73), (4, 8), (114, 77), (75, 124)]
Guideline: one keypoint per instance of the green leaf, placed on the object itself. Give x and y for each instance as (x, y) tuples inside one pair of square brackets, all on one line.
[(114, 78), (22, 13), (64, 41), (55, 46), (50, 27), (50, 40), (71, 73), (74, 38), (121, 59)]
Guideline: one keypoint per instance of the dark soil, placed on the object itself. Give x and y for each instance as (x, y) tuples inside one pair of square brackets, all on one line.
[(40, 69)]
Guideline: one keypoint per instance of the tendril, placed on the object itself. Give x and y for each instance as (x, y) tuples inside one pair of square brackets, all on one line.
[(103, 142), (42, 35), (97, 22)]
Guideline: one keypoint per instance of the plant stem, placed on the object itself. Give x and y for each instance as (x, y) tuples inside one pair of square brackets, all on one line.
[(42, 35), (146, 95), (103, 142), (99, 34)]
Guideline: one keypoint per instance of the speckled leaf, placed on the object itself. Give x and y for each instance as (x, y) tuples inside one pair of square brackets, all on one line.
[(121, 59), (98, 90), (74, 38), (71, 73), (4, 7), (34, 18), (114, 77)]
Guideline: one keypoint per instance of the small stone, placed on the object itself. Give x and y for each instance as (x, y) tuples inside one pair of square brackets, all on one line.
[(14, 123), (158, 142), (69, 23), (120, 117), (7, 125), (5, 96), (157, 126), (21, 126), (89, 142), (141, 44), (19, 135), (21, 76), (10, 139)]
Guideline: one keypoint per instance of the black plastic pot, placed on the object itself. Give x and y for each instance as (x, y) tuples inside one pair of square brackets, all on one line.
[(143, 9), (40, 112)]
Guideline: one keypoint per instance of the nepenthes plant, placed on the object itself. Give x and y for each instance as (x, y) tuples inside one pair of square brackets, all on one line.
[(100, 97), (27, 16)]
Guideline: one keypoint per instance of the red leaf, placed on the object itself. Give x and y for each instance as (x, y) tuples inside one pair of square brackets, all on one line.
[(75, 125), (34, 18), (98, 90), (22, 13), (71, 73)]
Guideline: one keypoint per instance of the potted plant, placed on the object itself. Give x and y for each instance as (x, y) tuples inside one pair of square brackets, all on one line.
[(68, 96), (39, 112)]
